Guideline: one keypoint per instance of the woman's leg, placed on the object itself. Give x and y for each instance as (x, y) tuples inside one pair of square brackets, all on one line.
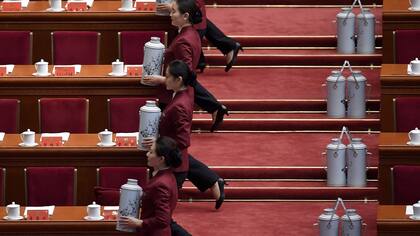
[(216, 37)]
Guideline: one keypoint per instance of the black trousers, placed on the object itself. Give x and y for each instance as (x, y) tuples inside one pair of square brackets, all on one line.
[(177, 230), (198, 173), (217, 38), (204, 99)]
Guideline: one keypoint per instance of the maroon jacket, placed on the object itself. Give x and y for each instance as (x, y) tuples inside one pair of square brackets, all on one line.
[(176, 122), (158, 203), (185, 47)]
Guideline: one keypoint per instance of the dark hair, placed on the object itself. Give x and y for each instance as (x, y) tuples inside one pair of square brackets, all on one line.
[(167, 147), (190, 7), (179, 68)]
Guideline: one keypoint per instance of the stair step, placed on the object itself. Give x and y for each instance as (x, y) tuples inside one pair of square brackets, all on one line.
[(288, 2)]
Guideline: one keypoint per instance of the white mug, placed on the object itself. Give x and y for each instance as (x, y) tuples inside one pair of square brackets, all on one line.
[(41, 67), (13, 211), (93, 210), (416, 209), (55, 4), (28, 137), (415, 64), (117, 67), (415, 3), (127, 4), (414, 136), (105, 137)]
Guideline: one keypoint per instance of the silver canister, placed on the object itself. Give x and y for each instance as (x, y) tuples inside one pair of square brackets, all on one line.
[(356, 163), (130, 196), (345, 31), (366, 32), (153, 58), (336, 95), (351, 223), (336, 163), (328, 223), (149, 115), (356, 95)]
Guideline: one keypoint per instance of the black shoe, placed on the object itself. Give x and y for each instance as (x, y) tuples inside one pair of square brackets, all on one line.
[(201, 66), (221, 182), (235, 55), (221, 112)]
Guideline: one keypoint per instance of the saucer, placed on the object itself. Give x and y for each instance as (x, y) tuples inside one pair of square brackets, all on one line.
[(55, 10), (413, 144), (41, 75), (413, 9), (117, 75), (7, 218), (413, 217), (106, 145), (126, 9), (28, 145), (93, 218)]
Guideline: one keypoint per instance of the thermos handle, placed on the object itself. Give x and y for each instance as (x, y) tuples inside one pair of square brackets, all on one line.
[(409, 135)]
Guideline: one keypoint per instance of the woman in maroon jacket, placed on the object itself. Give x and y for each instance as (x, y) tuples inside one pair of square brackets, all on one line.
[(186, 47), (161, 193), (176, 122)]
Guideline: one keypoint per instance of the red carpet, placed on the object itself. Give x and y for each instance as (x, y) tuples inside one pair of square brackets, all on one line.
[(291, 2), (263, 218)]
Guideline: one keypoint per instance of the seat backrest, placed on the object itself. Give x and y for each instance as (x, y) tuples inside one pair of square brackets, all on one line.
[(3, 186), (131, 44), (406, 185), (75, 47), (9, 119), (407, 46), (15, 47), (123, 113), (50, 186), (407, 113), (114, 177), (63, 115)]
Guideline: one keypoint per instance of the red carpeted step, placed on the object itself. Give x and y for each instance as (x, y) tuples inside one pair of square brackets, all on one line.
[(279, 122), (285, 152), (308, 57), (285, 190), (293, 21), (263, 218), (296, 89)]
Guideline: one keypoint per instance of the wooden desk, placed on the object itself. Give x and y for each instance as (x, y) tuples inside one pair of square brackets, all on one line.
[(392, 221), (393, 151), (395, 82), (65, 220), (81, 152), (92, 83), (103, 17), (396, 16)]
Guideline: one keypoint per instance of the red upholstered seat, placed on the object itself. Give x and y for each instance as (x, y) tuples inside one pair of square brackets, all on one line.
[(124, 113), (2, 186), (75, 47), (407, 113), (406, 184), (15, 47), (9, 119), (110, 180), (50, 186), (407, 45), (131, 44), (63, 115)]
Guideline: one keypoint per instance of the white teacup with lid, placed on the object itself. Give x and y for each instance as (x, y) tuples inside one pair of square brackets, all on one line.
[(415, 66), (13, 212), (28, 138), (414, 136), (93, 212), (117, 68), (415, 4), (106, 138), (41, 68), (416, 210)]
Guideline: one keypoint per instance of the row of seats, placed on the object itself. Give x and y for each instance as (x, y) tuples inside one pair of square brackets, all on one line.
[(72, 114), (75, 47), (58, 185)]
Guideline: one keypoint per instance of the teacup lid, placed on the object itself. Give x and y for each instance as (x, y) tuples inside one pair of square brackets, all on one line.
[(117, 62), (105, 132), (42, 62), (415, 61), (28, 131), (416, 131), (13, 205), (93, 205)]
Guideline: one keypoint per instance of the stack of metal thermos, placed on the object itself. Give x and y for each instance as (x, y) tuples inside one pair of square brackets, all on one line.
[(347, 31)]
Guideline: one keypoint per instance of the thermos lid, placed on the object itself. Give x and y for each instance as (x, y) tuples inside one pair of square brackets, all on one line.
[(131, 185), (351, 213), (326, 215), (336, 76), (336, 144)]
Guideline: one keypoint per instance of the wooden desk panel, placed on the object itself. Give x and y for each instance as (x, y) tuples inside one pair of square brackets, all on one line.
[(92, 83), (395, 82), (396, 16), (103, 17), (64, 221), (393, 151), (392, 221), (81, 152)]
